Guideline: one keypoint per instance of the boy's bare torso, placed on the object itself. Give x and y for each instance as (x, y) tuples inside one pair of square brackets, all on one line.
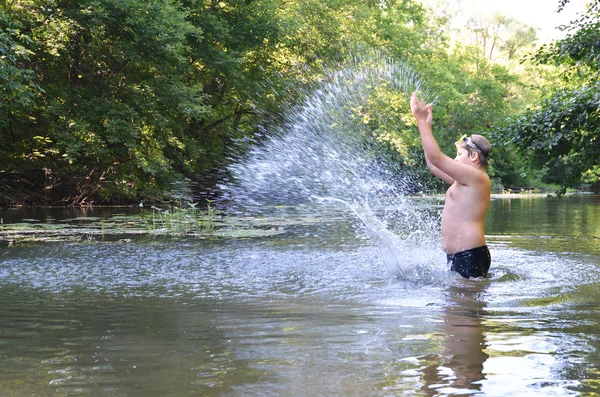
[(464, 215)]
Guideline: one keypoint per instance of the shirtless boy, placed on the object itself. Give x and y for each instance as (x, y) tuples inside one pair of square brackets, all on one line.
[(467, 199)]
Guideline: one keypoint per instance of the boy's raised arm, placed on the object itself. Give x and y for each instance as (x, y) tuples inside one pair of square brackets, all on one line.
[(424, 115), (441, 165)]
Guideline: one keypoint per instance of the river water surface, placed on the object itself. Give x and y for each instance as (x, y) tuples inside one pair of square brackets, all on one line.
[(313, 311)]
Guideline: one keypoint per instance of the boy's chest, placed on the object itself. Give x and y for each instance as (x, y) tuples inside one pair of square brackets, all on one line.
[(457, 197), (452, 192)]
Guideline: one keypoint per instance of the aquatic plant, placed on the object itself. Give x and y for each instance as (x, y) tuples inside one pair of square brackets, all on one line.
[(183, 220), (187, 221)]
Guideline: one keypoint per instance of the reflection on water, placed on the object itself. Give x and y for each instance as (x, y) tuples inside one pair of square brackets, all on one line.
[(307, 313), (459, 366), (565, 224)]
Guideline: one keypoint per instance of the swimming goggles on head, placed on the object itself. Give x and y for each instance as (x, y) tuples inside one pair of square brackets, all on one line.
[(466, 140)]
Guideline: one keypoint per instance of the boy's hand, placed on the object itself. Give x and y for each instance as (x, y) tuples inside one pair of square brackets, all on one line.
[(420, 110)]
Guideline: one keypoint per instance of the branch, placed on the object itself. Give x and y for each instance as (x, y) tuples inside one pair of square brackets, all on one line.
[(226, 118)]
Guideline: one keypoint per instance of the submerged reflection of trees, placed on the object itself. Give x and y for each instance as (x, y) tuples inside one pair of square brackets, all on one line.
[(460, 365)]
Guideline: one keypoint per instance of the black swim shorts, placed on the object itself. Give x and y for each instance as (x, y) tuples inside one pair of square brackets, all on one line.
[(471, 263)]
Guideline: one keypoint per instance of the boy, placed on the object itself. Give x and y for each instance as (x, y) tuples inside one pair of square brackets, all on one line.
[(467, 199)]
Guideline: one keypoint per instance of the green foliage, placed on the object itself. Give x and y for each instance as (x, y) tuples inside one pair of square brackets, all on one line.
[(113, 101), (136, 92), (138, 95), (17, 81), (561, 133), (579, 49), (521, 38)]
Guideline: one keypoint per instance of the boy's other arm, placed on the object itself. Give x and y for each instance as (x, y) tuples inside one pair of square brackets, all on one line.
[(437, 172)]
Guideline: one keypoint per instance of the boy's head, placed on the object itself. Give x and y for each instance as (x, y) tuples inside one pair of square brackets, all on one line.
[(476, 144)]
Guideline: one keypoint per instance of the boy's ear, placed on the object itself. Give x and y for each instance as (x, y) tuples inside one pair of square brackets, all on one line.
[(475, 156)]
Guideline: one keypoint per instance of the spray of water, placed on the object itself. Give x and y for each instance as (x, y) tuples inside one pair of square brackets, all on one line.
[(322, 154)]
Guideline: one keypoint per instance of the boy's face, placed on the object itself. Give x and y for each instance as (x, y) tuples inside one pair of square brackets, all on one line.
[(463, 156)]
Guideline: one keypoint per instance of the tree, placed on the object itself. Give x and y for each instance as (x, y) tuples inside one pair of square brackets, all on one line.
[(489, 32), (522, 37), (561, 132), (136, 93), (114, 101), (17, 80)]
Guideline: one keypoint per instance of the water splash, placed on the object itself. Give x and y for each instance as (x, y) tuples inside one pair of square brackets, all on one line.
[(403, 255), (321, 152), (322, 149)]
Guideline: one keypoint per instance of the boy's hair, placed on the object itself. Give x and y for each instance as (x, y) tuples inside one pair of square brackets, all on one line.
[(484, 149)]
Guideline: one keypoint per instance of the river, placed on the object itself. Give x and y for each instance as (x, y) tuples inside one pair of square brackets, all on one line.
[(312, 311)]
